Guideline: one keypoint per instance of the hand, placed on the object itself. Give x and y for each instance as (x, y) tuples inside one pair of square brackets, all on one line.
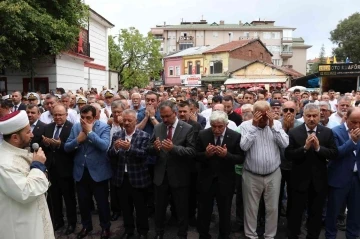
[(210, 150), (257, 117), (151, 111), (316, 143), (308, 142), (87, 127), (81, 137), (355, 134), (270, 116), (288, 122), (119, 119), (167, 145), (193, 117), (110, 121), (106, 113), (221, 151), (55, 142), (124, 144), (39, 156), (46, 141), (157, 144)]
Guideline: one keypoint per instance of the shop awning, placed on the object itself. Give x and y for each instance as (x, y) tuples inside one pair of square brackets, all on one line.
[(213, 78), (233, 81)]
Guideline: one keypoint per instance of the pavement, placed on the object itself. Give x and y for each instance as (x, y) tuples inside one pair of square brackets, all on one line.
[(170, 231)]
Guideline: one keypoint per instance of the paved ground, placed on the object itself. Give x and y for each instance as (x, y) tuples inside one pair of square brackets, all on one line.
[(117, 230)]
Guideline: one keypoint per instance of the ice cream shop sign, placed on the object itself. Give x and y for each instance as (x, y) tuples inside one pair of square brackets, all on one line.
[(191, 79)]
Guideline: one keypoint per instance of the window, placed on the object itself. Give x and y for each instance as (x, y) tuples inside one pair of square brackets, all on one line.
[(171, 71), (215, 34), (261, 55), (3, 85), (276, 62), (183, 46), (189, 65), (267, 35), (275, 35), (198, 67), (250, 52), (216, 67), (246, 34), (177, 70), (286, 48), (275, 48)]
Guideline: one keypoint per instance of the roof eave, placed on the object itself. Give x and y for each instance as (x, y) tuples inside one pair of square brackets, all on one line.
[(105, 22)]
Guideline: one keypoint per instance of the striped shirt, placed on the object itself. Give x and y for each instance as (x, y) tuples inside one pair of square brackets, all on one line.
[(262, 146)]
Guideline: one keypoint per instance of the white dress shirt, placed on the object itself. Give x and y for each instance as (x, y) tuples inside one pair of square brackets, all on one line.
[(32, 127), (336, 117), (128, 137)]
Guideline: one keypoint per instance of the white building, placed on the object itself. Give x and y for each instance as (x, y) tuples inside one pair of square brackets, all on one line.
[(87, 65)]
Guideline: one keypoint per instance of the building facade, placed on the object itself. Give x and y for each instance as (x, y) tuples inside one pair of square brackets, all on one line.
[(286, 49), (86, 65)]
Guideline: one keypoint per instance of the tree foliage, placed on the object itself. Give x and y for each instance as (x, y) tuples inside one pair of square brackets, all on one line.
[(347, 37), (322, 60), (36, 28), (135, 57)]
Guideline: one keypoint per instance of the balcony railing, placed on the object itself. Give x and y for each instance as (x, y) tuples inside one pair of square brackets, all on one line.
[(286, 54), (287, 39), (186, 39)]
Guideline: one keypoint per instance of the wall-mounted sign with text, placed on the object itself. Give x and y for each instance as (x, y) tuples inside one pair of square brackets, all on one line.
[(191, 79), (339, 69)]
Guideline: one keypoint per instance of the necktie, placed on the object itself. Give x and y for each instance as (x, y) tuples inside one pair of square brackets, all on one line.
[(311, 131), (218, 141), (15, 108), (57, 132), (169, 135)]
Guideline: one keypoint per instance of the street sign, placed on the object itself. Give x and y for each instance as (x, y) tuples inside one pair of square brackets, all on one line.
[(339, 69)]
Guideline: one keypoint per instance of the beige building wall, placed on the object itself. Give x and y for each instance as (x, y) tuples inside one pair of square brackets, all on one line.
[(224, 57), (298, 61)]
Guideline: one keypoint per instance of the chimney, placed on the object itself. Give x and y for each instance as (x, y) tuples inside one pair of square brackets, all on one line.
[(240, 23), (222, 22)]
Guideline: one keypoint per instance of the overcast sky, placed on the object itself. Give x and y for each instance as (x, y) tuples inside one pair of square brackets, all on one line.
[(313, 19)]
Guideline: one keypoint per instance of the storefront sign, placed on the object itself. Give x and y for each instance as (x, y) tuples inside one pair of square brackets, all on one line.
[(191, 79), (339, 69)]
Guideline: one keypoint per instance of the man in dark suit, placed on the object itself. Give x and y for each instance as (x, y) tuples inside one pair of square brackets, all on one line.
[(344, 183), (218, 150), (174, 145), (60, 165), (16, 99), (310, 146), (184, 114), (131, 177), (37, 127)]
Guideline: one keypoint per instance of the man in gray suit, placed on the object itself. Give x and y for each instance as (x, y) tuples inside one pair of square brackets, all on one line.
[(174, 144)]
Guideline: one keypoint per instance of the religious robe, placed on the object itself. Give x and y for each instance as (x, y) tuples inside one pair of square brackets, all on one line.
[(24, 212)]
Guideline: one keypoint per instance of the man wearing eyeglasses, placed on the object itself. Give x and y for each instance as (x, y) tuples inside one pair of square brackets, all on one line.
[(325, 112), (288, 122)]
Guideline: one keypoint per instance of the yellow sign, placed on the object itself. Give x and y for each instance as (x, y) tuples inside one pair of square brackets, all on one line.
[(324, 68)]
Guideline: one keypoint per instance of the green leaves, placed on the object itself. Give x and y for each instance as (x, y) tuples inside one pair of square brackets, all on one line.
[(135, 57), (347, 37), (36, 28)]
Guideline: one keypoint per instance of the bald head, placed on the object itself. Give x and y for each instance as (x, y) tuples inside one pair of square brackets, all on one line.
[(219, 107)]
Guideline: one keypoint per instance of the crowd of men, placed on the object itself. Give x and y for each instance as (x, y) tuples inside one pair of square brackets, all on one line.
[(292, 154)]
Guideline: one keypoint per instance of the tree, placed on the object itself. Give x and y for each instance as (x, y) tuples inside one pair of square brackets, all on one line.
[(36, 28), (135, 57), (347, 37), (322, 60)]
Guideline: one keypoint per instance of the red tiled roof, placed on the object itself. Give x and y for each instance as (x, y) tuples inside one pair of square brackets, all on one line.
[(230, 46)]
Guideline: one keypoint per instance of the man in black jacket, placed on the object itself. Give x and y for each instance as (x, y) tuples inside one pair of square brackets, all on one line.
[(60, 166), (37, 127), (310, 146), (218, 150)]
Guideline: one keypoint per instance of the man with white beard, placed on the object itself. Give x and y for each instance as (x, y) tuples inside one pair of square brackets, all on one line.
[(342, 106)]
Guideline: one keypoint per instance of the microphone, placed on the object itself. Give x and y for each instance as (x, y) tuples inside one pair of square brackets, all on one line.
[(35, 147)]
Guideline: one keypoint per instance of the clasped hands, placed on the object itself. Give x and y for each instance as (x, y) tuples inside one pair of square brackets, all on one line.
[(122, 144), (86, 128), (212, 150), (258, 116), (312, 141), (166, 144), (51, 141)]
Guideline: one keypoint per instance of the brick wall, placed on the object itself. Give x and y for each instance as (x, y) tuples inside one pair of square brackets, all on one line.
[(256, 49)]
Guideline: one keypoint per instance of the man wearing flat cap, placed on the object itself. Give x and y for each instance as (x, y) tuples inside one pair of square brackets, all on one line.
[(23, 182)]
